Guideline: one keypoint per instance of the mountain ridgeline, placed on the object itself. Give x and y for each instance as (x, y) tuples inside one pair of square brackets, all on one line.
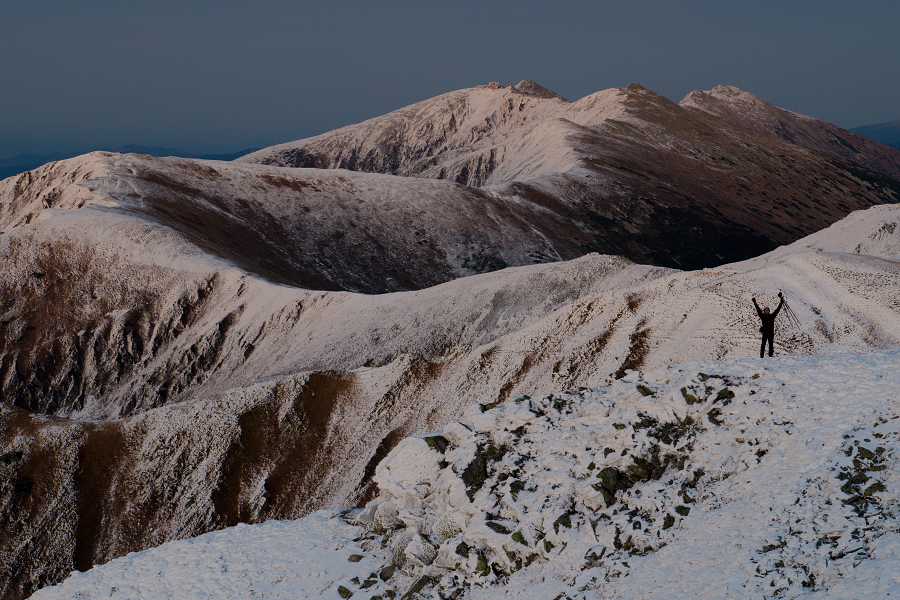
[(684, 186), (190, 344)]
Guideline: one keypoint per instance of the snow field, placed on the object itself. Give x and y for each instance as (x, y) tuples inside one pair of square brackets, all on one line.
[(750, 478), (306, 558)]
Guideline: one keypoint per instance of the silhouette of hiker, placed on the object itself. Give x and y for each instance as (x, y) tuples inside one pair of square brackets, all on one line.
[(768, 325)]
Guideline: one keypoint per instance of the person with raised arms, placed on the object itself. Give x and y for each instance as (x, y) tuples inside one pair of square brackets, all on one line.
[(768, 325)]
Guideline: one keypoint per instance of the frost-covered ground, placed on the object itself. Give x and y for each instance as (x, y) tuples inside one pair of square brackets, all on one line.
[(288, 398), (749, 478)]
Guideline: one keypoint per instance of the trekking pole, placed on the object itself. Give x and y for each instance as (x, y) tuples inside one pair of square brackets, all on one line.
[(787, 309), (795, 318), (792, 316)]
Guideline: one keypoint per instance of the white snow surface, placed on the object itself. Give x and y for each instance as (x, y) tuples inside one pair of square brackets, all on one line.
[(775, 478), (527, 137), (873, 232)]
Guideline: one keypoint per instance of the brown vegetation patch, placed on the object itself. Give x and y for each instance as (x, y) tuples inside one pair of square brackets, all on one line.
[(36, 504), (639, 345), (293, 451), (298, 185), (633, 301), (516, 378), (100, 461)]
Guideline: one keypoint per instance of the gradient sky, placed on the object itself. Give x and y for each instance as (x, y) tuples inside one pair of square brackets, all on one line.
[(223, 75)]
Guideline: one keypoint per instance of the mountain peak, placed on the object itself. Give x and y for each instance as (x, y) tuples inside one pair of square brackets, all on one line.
[(727, 101), (747, 110), (530, 88), (729, 90)]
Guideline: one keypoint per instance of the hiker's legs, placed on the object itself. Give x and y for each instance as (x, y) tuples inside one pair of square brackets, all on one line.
[(766, 338)]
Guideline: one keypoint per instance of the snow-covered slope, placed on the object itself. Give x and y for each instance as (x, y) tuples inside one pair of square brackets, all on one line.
[(707, 479), (473, 136), (874, 232), (189, 325), (271, 402), (318, 229), (743, 108)]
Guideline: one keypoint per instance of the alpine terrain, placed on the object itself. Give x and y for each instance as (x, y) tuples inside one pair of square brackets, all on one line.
[(189, 345)]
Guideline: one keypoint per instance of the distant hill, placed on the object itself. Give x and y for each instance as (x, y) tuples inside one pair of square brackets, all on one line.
[(20, 163), (886, 133)]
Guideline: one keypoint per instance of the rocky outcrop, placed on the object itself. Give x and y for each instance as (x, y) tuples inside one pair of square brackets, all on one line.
[(531, 88)]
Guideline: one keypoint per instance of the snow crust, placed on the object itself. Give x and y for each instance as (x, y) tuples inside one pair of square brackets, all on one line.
[(775, 478), (306, 558)]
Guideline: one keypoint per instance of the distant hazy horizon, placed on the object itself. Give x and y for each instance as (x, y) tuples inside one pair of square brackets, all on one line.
[(12, 148)]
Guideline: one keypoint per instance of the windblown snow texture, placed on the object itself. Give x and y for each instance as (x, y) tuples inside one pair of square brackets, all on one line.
[(727, 479)]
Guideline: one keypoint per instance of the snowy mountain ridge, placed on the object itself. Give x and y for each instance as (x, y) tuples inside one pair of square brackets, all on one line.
[(476, 137), (481, 137), (728, 479), (643, 169), (872, 232), (743, 108)]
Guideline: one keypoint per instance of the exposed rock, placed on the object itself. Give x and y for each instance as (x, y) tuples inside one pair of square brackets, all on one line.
[(497, 527), (437, 442), (387, 572)]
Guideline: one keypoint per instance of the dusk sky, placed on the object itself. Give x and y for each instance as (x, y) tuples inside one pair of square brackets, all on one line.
[(224, 75)]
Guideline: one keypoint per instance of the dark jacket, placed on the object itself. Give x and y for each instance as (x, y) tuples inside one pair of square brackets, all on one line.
[(768, 320)]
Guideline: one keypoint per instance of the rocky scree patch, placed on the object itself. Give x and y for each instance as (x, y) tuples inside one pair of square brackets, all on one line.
[(585, 479)]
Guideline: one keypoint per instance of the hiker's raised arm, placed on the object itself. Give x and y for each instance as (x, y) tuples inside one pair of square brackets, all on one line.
[(780, 304)]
